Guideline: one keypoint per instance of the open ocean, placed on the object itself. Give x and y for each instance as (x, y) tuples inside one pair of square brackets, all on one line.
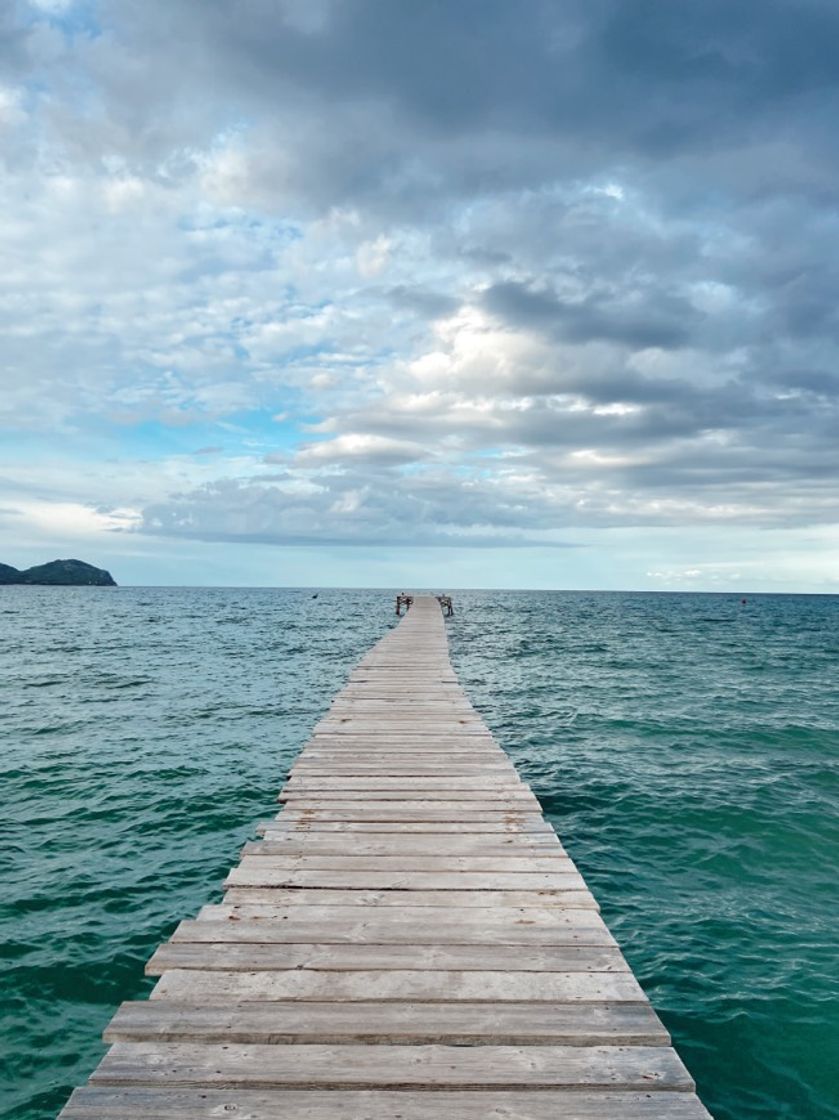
[(685, 746)]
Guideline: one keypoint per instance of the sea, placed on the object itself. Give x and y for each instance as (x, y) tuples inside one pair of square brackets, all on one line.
[(685, 747)]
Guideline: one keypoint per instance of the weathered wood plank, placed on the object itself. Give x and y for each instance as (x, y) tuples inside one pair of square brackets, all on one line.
[(298, 896), (455, 1024), (421, 737), (355, 769), (494, 825), (389, 717), (448, 986), (232, 956), (275, 857), (366, 753), (257, 872), (427, 728), (430, 762), (143, 1103), (351, 1066), (413, 924), (443, 811), (278, 841), (400, 708), (429, 751), (497, 784), (406, 697), (515, 799), (350, 731)]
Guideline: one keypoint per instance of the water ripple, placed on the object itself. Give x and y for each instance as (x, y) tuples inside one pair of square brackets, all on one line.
[(684, 746), (697, 790)]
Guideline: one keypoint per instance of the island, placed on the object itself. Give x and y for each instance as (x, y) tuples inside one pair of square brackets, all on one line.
[(58, 573)]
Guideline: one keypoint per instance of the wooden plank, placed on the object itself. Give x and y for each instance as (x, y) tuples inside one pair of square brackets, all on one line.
[(389, 750), (484, 760), (277, 841), (257, 872), (275, 857), (353, 768), (448, 986), (415, 734), (385, 715), (453, 706), (429, 751), (581, 899), (351, 1066), (400, 708), (231, 956), (163, 1103), (406, 696), (412, 924), (494, 825), (501, 783), (514, 799), (441, 811), (377, 735), (396, 739), (456, 1024), (442, 835), (402, 678), (304, 844), (480, 776), (378, 727), (387, 754), (452, 741)]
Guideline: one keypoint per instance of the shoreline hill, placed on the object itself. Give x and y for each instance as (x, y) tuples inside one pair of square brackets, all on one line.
[(58, 573)]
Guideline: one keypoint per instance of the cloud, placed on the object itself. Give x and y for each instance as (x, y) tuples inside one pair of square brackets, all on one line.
[(498, 275), (363, 509), (361, 447), (661, 323), (426, 303)]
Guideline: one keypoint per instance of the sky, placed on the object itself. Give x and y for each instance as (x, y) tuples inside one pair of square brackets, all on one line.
[(433, 293)]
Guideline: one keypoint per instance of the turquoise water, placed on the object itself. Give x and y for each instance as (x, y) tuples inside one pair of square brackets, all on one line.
[(685, 746)]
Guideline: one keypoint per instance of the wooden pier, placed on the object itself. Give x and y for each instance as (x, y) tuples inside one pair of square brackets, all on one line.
[(407, 941)]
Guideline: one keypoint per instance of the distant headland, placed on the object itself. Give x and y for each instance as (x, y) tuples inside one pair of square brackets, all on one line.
[(59, 573)]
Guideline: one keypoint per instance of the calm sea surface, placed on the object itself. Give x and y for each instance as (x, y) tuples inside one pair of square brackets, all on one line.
[(686, 747)]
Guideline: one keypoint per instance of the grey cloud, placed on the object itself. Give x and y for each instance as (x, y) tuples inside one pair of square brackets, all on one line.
[(647, 81), (663, 323), (423, 301), (529, 500), (821, 383), (15, 41), (423, 511)]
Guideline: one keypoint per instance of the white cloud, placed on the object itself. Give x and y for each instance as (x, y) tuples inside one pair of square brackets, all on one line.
[(67, 521), (373, 257), (11, 107), (364, 446)]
